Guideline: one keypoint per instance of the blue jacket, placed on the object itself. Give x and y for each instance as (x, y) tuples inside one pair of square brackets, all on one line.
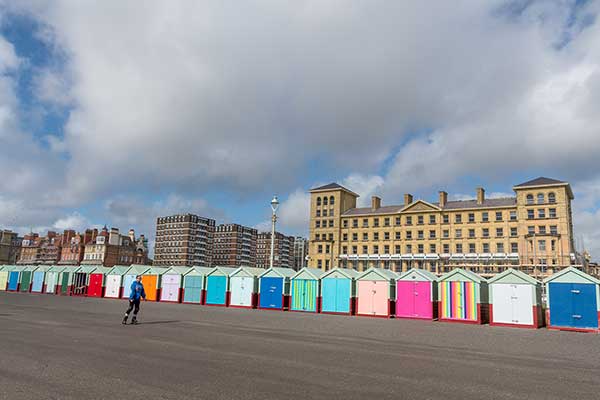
[(137, 291)]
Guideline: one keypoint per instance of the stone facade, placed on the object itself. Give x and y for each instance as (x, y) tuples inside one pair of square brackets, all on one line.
[(532, 231), (10, 247)]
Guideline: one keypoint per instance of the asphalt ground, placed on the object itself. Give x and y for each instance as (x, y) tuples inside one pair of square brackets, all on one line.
[(54, 347)]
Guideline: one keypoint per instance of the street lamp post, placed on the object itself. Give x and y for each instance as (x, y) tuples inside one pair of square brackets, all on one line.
[(274, 206)]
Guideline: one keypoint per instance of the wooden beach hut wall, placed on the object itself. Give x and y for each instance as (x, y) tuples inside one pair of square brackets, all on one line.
[(151, 279), (194, 285), (305, 290), (14, 278), (38, 279), (416, 295), (66, 281), (172, 284), (97, 282), (3, 277), (129, 278), (338, 291), (217, 286), (515, 300), (463, 297), (243, 286), (113, 286), (26, 278), (52, 280), (81, 278), (573, 301), (274, 288), (376, 293)]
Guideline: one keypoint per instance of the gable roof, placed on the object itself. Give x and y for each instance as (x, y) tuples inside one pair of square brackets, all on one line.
[(572, 270), (541, 181), (332, 186), (316, 273), (465, 273), (517, 273), (249, 270), (282, 272), (386, 274), (422, 203), (347, 272), (430, 276)]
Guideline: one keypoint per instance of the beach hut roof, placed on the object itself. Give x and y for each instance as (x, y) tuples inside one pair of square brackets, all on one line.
[(427, 275), (572, 270), (346, 272), (247, 271), (179, 270), (199, 271), (118, 270), (514, 273), (314, 273), (225, 271), (43, 268), (282, 272), (137, 269), (385, 274), (155, 271), (57, 268), (30, 268), (102, 270), (86, 269), (463, 273)]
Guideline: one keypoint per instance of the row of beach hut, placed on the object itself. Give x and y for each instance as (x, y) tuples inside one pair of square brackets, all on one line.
[(511, 298)]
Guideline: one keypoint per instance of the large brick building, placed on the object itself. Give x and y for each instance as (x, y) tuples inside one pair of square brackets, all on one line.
[(532, 230), (234, 246), (283, 254), (184, 239), (73, 246)]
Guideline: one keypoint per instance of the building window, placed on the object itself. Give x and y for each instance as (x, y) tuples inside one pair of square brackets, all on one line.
[(386, 249), (386, 222), (420, 220), (376, 222), (485, 217), (420, 249), (514, 247), (486, 247), (499, 247), (397, 249), (432, 248), (324, 213), (431, 234), (345, 223), (513, 215), (375, 249), (471, 233), (386, 236), (542, 229), (420, 235), (458, 233), (498, 216), (540, 198), (446, 248), (530, 214), (499, 232), (324, 201), (513, 231), (317, 224), (552, 213), (529, 199), (365, 222), (459, 248), (432, 219), (408, 235), (318, 213), (365, 236), (320, 249), (355, 223), (331, 237), (331, 200), (445, 219), (327, 249), (354, 237), (446, 233), (472, 248), (551, 198), (317, 236), (318, 201), (320, 263), (485, 232), (409, 248), (354, 249), (397, 221), (398, 236), (331, 212), (375, 235), (553, 229), (458, 218), (530, 230), (471, 217), (541, 213), (409, 220), (365, 250), (542, 245)]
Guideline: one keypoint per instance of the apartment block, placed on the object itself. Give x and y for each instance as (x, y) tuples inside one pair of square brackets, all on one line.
[(283, 250), (235, 246), (532, 231), (184, 239), (300, 252)]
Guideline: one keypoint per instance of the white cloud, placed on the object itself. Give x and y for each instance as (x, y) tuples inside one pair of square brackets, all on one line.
[(74, 221)]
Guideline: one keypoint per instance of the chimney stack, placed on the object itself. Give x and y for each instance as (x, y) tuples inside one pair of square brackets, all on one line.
[(132, 235), (443, 199), (375, 203), (408, 199), (480, 195)]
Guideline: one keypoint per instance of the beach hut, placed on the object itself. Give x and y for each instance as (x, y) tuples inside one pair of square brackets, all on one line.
[(338, 291), (38, 278), (14, 277), (129, 277), (151, 279), (113, 282), (304, 291), (3, 277), (217, 286), (515, 300), (463, 297), (80, 279), (573, 301), (65, 286), (172, 284), (26, 278), (376, 293), (97, 281), (194, 291), (416, 295), (274, 288), (243, 287), (52, 280)]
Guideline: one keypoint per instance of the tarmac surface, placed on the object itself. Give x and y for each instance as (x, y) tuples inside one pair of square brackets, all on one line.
[(54, 347)]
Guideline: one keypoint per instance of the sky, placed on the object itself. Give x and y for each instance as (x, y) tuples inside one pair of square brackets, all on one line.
[(116, 112)]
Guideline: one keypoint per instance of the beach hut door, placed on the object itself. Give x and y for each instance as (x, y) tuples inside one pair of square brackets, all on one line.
[(112, 286), (51, 282), (193, 289), (3, 279), (38, 282), (79, 283)]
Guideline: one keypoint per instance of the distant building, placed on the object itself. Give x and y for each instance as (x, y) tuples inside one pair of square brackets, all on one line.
[(10, 247), (235, 245), (184, 239), (30, 247), (300, 252), (283, 250), (73, 246), (50, 248), (111, 248)]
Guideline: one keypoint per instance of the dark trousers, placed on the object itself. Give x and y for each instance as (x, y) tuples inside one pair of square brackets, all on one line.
[(133, 305)]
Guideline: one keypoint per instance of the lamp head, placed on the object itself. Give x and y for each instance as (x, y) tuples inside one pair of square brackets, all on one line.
[(274, 203)]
